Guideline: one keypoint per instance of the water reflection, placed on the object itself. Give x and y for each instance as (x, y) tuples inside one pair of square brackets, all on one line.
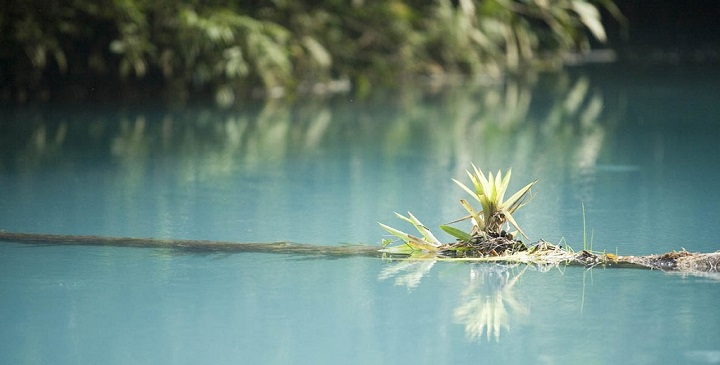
[(488, 303), (263, 163), (501, 123), (346, 164), (408, 273), (326, 171), (495, 126)]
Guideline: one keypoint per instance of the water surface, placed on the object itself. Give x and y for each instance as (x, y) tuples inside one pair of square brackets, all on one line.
[(637, 147)]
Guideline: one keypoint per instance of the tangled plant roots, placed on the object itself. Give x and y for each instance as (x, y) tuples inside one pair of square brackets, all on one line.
[(480, 246)]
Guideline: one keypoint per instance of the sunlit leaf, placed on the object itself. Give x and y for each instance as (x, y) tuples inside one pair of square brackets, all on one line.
[(421, 244), (590, 17), (397, 233), (427, 234), (473, 213), (490, 192), (403, 249), (464, 187), (512, 221), (504, 185), (516, 201), (457, 233)]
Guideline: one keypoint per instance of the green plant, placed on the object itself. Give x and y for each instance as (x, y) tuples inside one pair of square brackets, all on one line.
[(191, 46), (490, 193)]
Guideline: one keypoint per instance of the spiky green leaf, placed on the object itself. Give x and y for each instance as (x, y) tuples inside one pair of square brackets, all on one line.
[(421, 244), (395, 232), (424, 231), (516, 201), (504, 183), (512, 221), (468, 190), (474, 214)]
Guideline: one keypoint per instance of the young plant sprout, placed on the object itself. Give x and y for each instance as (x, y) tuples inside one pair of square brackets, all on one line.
[(490, 193), (487, 236)]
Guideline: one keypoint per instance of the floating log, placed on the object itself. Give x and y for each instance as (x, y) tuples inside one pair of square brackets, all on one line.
[(541, 253), (681, 261), (193, 245)]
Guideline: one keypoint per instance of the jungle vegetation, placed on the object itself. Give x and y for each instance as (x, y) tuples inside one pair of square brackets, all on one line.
[(83, 49)]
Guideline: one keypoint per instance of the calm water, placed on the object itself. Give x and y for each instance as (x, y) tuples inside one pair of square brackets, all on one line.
[(639, 147)]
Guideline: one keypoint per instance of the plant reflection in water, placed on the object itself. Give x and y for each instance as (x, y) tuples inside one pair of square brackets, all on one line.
[(408, 273), (490, 301), (487, 305)]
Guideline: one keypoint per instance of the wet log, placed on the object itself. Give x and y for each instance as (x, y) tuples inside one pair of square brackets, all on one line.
[(681, 261), (192, 245)]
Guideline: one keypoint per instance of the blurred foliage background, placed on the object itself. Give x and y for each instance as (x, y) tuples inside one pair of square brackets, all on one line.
[(89, 49)]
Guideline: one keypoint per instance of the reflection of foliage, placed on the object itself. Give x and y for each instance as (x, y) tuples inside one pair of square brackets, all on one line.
[(489, 302), (499, 125), (412, 272), (196, 45)]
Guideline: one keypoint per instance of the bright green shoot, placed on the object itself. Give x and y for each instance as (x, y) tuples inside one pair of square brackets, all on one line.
[(592, 233), (490, 191)]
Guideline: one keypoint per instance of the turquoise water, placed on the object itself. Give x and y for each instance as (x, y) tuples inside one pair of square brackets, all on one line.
[(638, 147)]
